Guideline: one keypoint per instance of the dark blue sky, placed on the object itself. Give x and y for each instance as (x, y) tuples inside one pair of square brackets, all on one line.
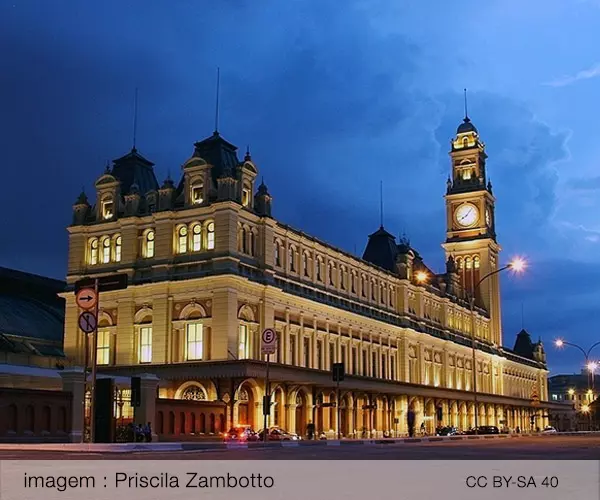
[(332, 97)]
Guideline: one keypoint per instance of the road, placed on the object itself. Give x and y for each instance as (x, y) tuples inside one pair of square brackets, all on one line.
[(524, 448)]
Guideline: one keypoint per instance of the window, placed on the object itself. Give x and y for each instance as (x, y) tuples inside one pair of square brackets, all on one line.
[(182, 239), (277, 255), (305, 264), (149, 245), (363, 286), (319, 264), (465, 142), (146, 344), (246, 196), (252, 243), (107, 209), (342, 278), (293, 349), (93, 259), (393, 367), (118, 249), (365, 367), (103, 348), (196, 238), (331, 274), (243, 351), (307, 352), (331, 354), (197, 193), (372, 290), (244, 240), (353, 283), (374, 368), (383, 366), (194, 340), (292, 264), (354, 362), (320, 354), (466, 174), (210, 236), (106, 250)]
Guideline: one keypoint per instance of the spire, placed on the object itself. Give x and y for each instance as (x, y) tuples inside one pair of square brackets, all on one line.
[(107, 168), (466, 112), (217, 102), (135, 112), (381, 203), (248, 157)]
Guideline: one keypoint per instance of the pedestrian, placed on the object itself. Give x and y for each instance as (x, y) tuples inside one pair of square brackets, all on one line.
[(148, 432), (422, 428), (518, 430)]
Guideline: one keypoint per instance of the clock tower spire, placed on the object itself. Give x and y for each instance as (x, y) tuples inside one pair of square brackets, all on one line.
[(470, 223)]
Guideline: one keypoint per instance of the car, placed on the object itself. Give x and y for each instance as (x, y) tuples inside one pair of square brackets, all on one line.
[(549, 430), (483, 430), (447, 431), (240, 434), (277, 434)]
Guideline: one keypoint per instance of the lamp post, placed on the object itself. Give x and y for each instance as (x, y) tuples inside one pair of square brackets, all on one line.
[(517, 265), (590, 366)]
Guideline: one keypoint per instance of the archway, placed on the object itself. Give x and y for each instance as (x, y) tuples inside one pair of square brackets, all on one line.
[(429, 417), (319, 414), (245, 405), (279, 408), (300, 413)]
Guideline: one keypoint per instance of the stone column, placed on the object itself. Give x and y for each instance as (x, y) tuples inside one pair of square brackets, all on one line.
[(146, 412), (72, 381)]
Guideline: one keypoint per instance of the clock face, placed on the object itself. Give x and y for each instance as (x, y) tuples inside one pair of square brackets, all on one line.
[(466, 215)]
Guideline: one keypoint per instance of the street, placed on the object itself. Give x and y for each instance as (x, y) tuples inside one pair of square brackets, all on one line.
[(525, 448)]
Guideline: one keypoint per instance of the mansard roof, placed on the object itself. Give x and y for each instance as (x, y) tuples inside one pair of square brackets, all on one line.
[(132, 170)]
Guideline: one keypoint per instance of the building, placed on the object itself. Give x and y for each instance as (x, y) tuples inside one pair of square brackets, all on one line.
[(580, 393), (210, 268)]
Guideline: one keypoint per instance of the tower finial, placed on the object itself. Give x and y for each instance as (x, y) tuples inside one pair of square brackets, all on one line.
[(135, 113), (466, 112), (248, 157), (107, 169), (217, 101), (381, 203)]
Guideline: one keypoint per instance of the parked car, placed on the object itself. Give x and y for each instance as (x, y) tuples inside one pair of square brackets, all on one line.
[(447, 431), (240, 434), (277, 434), (549, 430), (484, 429)]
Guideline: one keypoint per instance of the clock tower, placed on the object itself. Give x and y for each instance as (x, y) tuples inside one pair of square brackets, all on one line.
[(470, 223)]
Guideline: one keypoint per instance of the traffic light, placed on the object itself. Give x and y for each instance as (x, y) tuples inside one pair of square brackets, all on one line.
[(338, 372)]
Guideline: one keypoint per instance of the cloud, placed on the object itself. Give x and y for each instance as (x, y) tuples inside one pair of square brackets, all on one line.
[(584, 183), (586, 74)]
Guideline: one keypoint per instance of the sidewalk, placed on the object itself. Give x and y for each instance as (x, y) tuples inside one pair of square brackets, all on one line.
[(216, 445)]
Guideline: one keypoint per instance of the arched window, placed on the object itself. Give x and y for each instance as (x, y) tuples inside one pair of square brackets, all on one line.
[(353, 278), (210, 236), (118, 248), (182, 239), (197, 194), (212, 423), (292, 259), (105, 250), (372, 290), (277, 254), (149, 244), (196, 238), (331, 274), (252, 243), (343, 278), (476, 262), (465, 142), (305, 264), (319, 269), (243, 240), (107, 208), (93, 258), (246, 195)]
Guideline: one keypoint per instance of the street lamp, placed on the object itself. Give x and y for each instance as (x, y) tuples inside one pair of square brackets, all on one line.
[(589, 364), (421, 277), (517, 265)]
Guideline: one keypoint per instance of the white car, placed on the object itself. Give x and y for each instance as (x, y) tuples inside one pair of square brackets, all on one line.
[(549, 430)]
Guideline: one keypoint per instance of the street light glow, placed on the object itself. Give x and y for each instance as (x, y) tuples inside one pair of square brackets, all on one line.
[(517, 265), (559, 343), (585, 408), (421, 276), (591, 366), (571, 392)]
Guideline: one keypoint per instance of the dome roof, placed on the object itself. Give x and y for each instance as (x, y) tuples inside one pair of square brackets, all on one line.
[(466, 126)]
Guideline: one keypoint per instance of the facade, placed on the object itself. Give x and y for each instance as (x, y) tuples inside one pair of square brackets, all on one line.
[(210, 268)]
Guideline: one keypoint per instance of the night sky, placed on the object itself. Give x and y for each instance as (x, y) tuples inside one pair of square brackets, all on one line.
[(332, 97)]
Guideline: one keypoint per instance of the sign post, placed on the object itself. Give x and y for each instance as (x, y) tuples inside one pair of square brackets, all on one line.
[(268, 347), (338, 376), (87, 298)]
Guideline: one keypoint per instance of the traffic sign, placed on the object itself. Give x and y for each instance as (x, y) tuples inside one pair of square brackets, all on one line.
[(86, 298), (87, 322), (269, 341), (105, 283)]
